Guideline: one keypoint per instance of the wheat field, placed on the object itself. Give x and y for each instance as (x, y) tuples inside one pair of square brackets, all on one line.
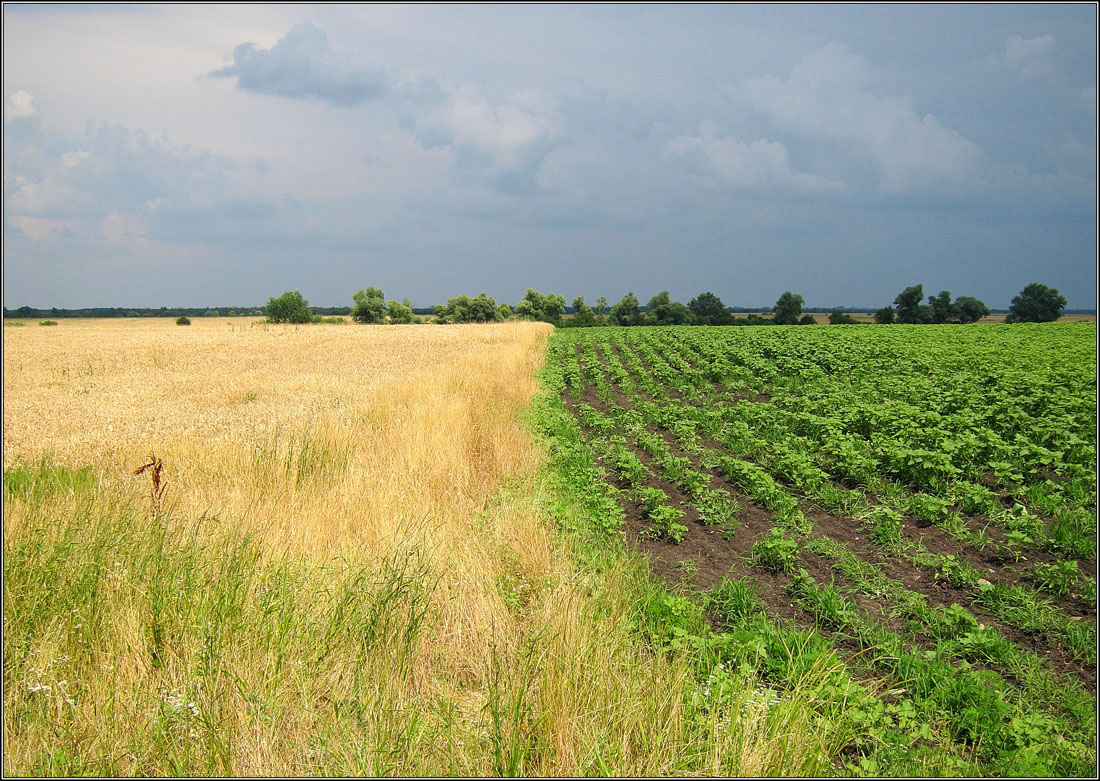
[(353, 568)]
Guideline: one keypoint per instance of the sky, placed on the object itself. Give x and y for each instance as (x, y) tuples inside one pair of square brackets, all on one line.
[(218, 155)]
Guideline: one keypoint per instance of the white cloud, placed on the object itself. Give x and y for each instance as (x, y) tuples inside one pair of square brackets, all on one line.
[(509, 135), (759, 165), (303, 64), (1028, 56), (20, 105), (116, 227), (829, 96)]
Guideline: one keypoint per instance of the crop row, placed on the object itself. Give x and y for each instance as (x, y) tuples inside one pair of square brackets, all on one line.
[(826, 433)]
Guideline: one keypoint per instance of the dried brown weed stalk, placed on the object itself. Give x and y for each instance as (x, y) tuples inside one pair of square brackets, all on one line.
[(156, 466)]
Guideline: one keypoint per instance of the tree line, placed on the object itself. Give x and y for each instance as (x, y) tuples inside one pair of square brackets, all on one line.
[(1035, 303)]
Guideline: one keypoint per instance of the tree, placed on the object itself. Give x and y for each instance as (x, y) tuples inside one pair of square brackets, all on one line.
[(546, 308), (505, 311), (885, 316), (601, 308), (370, 306), (1036, 304), (678, 314), (970, 309), (841, 318), (183, 320), (583, 316), (709, 309), (910, 309), (808, 320), (463, 309), (290, 307), (788, 309), (943, 311), (401, 312), (662, 311), (627, 312)]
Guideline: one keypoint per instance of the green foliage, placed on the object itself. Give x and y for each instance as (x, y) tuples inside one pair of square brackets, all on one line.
[(400, 312), (970, 310), (464, 309), (369, 307), (885, 316), (879, 425), (836, 317), (583, 316), (1058, 578), (48, 322), (807, 319), (47, 478), (709, 310), (886, 527), (627, 312), (182, 320), (547, 308), (735, 600), (661, 311), (290, 307), (775, 552), (909, 307), (1036, 303), (943, 311), (788, 309)]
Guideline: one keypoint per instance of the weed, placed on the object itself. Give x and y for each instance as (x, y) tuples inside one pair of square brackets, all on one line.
[(775, 552), (689, 569), (735, 600)]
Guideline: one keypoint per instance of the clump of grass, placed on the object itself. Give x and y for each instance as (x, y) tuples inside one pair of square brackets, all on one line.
[(47, 478), (47, 322)]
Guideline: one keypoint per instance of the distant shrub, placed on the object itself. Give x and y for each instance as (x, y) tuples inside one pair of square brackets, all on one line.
[(182, 320), (10, 324), (47, 322), (290, 307), (464, 309)]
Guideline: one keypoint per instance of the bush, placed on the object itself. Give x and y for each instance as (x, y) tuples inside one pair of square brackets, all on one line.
[(290, 307), (885, 316), (181, 320), (400, 312), (545, 308), (464, 309), (788, 309), (1036, 304), (370, 306), (47, 322)]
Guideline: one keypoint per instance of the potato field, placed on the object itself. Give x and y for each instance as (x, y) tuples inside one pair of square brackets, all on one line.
[(901, 519)]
